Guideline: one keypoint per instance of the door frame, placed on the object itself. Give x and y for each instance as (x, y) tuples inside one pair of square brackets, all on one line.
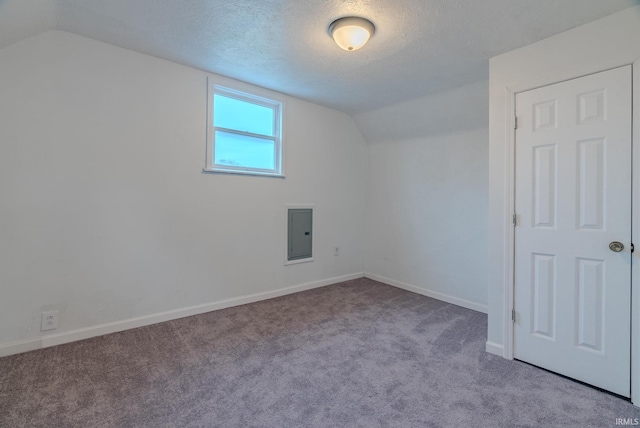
[(510, 91)]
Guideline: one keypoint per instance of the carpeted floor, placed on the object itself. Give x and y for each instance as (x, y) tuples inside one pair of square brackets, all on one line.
[(355, 354)]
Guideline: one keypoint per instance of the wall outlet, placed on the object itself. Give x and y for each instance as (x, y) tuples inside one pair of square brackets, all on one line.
[(49, 320), (336, 251)]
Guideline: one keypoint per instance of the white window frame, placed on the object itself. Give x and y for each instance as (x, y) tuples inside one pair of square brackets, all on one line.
[(251, 97)]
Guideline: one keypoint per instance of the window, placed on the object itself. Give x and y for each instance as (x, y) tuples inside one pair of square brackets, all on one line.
[(244, 133)]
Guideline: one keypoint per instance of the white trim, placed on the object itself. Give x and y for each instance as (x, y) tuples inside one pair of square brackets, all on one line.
[(510, 204), (429, 293), (234, 172), (20, 346), (114, 327), (312, 207), (569, 72), (494, 348), (299, 261), (635, 237)]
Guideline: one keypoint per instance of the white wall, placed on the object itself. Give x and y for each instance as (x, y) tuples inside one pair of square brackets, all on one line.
[(427, 195), (20, 19), (106, 214), (450, 112)]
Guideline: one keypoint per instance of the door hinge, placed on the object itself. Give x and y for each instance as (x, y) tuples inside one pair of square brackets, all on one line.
[(513, 315), (514, 219), (633, 248), (515, 122)]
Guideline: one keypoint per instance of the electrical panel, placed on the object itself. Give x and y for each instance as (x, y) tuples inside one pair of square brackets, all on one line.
[(299, 233)]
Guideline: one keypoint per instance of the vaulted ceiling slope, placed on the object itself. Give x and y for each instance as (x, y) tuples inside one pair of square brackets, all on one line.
[(420, 46)]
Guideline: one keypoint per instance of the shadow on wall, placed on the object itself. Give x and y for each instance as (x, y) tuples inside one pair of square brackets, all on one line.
[(458, 110)]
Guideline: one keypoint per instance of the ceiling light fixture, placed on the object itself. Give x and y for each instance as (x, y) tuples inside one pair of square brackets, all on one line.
[(351, 33)]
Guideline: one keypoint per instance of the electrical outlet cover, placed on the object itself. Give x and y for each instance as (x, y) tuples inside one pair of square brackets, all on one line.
[(49, 320)]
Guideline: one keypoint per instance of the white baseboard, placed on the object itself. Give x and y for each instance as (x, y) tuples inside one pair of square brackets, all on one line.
[(114, 327), (20, 346), (494, 348), (429, 293)]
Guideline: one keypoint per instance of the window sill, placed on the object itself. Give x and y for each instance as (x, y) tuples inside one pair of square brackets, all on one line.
[(234, 172), (298, 261)]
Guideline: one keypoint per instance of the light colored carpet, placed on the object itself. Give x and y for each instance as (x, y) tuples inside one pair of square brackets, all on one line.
[(355, 354)]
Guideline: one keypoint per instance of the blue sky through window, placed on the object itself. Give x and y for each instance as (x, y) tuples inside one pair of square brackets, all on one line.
[(246, 133), (244, 151), (241, 115)]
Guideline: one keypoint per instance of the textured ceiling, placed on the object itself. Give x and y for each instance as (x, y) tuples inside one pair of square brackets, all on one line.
[(420, 46)]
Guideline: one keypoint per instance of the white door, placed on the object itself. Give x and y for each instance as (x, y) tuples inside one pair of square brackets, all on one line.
[(573, 198)]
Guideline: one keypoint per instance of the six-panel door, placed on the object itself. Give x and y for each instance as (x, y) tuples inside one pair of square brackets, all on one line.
[(573, 198)]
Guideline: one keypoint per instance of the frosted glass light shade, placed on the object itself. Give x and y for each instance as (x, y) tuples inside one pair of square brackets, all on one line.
[(351, 33)]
